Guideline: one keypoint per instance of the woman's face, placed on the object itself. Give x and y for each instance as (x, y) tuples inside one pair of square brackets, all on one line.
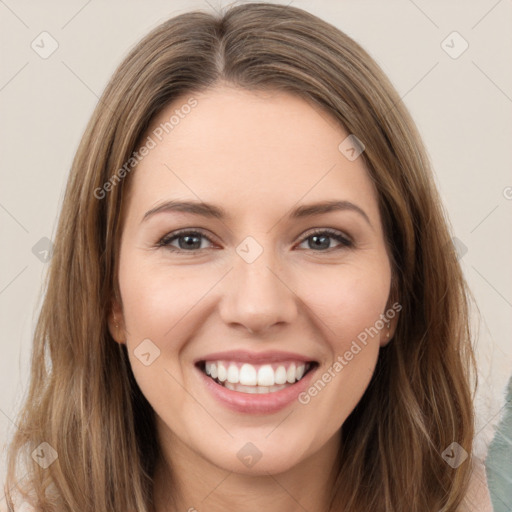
[(250, 283)]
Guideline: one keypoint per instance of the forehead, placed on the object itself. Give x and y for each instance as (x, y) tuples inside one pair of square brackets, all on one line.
[(248, 149)]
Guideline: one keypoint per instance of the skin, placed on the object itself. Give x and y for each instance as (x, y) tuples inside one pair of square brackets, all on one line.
[(258, 156)]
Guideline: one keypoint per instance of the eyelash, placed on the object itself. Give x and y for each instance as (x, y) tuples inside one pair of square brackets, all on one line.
[(344, 241)]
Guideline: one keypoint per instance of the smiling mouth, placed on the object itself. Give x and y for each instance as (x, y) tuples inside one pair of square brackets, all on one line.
[(256, 378)]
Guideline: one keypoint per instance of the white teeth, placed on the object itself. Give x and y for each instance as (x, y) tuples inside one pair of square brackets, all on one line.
[(266, 376), (247, 375), (280, 375), (263, 377), (290, 374), (233, 374), (222, 373)]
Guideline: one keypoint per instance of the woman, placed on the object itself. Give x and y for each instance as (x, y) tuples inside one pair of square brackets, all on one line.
[(253, 301)]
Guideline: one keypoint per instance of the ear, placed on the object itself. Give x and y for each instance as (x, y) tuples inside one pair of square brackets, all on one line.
[(116, 323), (390, 317)]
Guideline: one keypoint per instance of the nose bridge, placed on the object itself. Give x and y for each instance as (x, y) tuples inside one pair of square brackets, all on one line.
[(255, 295)]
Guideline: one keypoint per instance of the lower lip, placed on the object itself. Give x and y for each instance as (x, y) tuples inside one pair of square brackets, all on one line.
[(266, 403)]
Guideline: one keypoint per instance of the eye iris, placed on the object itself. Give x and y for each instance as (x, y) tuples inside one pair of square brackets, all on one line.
[(320, 241), (191, 241)]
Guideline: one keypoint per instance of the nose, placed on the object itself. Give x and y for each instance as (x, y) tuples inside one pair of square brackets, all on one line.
[(257, 295)]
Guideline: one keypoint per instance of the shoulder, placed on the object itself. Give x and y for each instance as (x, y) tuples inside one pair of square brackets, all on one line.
[(477, 497)]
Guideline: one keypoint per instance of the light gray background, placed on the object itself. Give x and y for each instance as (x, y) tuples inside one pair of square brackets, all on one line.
[(462, 107)]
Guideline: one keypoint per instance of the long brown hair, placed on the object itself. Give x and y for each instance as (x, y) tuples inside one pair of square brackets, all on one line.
[(83, 400)]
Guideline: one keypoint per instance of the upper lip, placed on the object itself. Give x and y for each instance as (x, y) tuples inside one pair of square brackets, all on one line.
[(244, 356)]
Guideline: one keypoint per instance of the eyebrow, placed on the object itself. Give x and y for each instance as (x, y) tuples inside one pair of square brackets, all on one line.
[(212, 211)]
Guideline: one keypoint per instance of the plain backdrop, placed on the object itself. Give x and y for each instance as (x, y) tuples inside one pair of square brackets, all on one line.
[(460, 98)]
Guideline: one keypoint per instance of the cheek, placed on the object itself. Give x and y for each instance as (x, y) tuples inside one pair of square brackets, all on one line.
[(346, 300), (159, 305), (158, 298), (347, 304)]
